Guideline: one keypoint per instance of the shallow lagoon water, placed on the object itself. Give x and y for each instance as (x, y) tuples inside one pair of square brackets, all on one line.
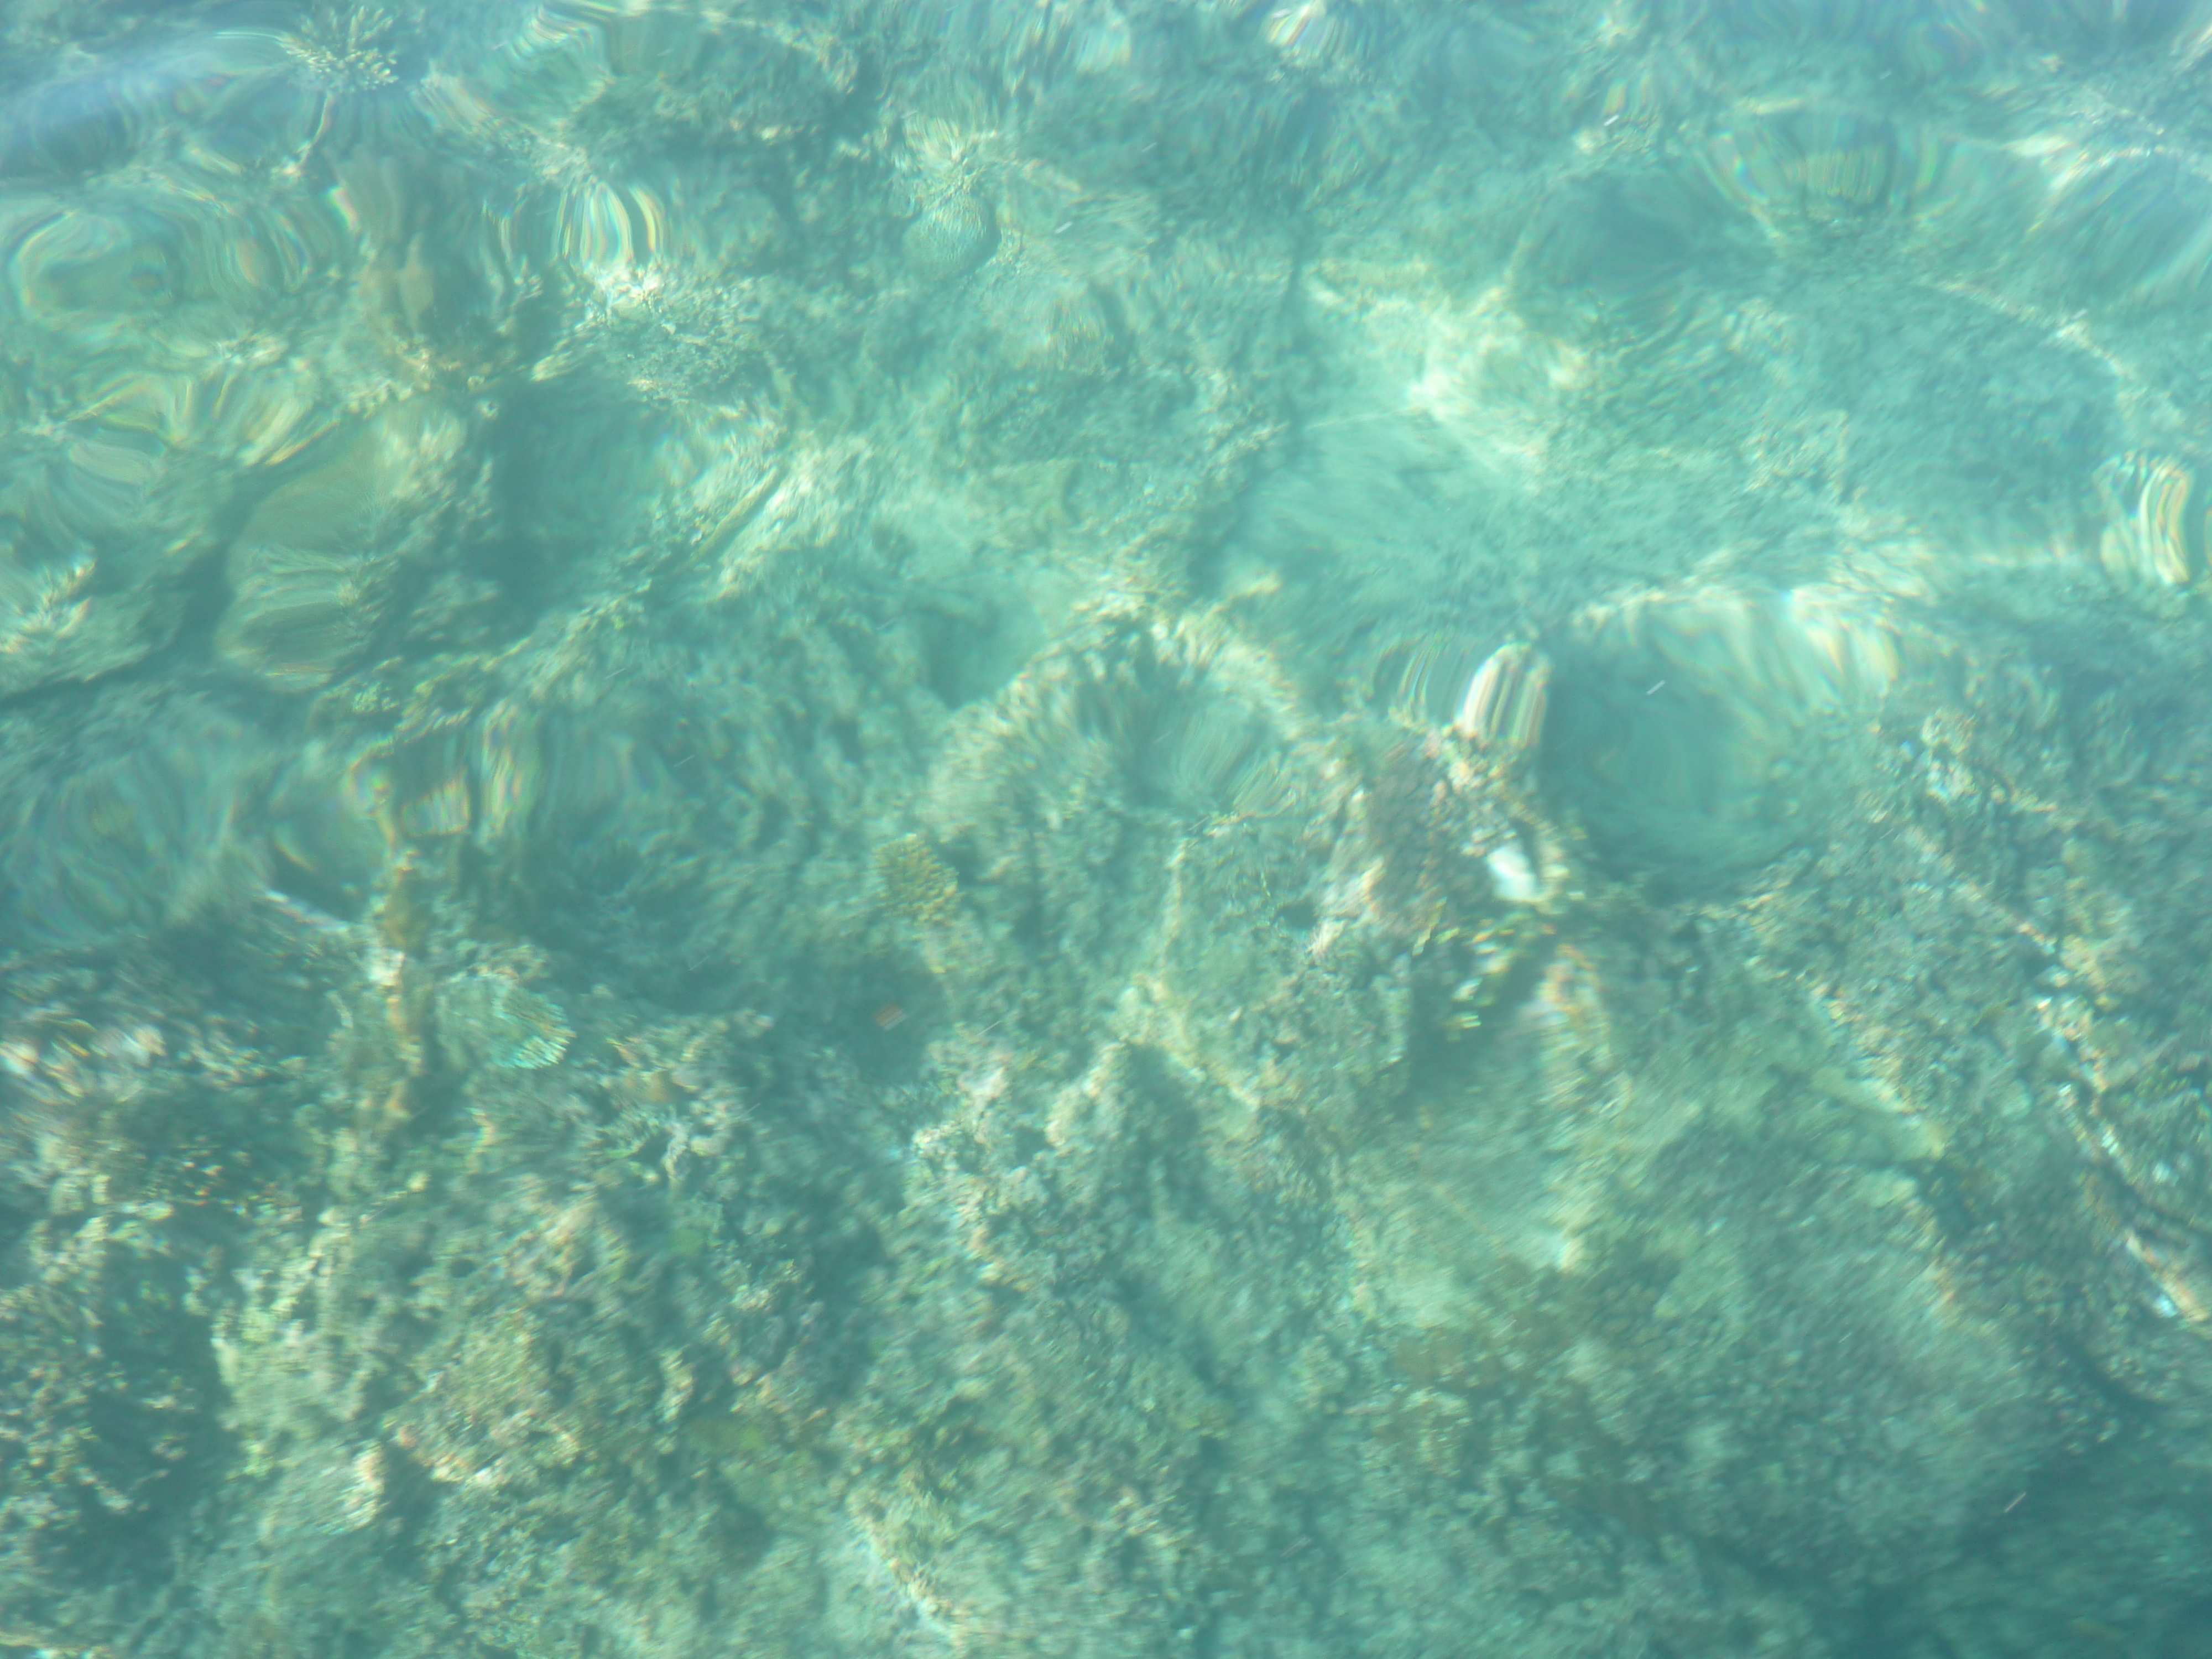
[(1189, 827)]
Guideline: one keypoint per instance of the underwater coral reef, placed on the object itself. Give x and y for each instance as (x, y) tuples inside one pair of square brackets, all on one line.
[(1094, 827)]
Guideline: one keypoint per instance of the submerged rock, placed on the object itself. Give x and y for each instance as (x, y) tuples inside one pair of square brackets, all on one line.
[(1114, 830)]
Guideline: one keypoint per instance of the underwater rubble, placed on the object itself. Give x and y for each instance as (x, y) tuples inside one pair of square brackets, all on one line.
[(1124, 828)]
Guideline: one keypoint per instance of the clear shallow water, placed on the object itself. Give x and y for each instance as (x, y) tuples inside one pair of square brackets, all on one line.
[(1341, 830)]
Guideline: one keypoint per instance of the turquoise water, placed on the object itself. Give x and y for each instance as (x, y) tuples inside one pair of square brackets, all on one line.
[(1066, 831)]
